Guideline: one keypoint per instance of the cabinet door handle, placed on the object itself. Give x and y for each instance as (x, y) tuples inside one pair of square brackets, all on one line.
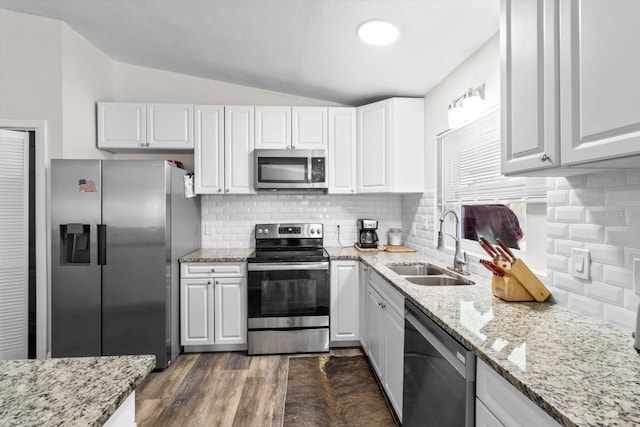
[(219, 190), (544, 157), (208, 282), (217, 283), (213, 270)]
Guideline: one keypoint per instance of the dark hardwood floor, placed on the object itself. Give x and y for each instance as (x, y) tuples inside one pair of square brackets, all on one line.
[(218, 389)]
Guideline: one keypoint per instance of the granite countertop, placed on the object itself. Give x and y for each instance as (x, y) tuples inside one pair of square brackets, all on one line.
[(581, 371), (217, 255), (76, 391)]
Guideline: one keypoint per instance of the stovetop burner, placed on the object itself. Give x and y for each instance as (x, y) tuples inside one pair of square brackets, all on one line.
[(288, 255), (299, 242)]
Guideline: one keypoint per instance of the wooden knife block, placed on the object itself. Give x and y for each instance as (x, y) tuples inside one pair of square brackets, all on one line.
[(509, 289), (518, 284)]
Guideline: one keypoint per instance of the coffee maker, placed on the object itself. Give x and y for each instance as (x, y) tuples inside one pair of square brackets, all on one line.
[(367, 236)]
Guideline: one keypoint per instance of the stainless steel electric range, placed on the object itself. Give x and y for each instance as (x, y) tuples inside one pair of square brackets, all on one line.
[(288, 290)]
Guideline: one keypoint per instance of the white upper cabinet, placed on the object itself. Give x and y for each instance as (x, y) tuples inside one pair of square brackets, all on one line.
[(391, 146), (599, 91), (291, 127), (570, 101), (309, 128), (209, 149), (342, 150), (170, 126), (273, 127), (143, 127), (238, 149), (529, 86), (122, 125)]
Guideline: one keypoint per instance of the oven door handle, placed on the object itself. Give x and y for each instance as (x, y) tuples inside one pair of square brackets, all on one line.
[(283, 266)]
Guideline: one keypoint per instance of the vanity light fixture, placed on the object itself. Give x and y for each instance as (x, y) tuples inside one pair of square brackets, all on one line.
[(377, 32), (467, 107)]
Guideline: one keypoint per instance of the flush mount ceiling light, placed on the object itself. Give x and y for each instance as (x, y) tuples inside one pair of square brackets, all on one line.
[(377, 32)]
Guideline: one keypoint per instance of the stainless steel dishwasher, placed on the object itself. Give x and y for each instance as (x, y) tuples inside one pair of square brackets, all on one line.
[(439, 375)]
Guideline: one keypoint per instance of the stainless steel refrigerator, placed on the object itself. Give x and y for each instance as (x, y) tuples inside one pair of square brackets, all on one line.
[(118, 228)]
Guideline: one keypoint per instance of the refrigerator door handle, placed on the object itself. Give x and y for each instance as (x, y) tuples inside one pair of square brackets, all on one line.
[(102, 244)]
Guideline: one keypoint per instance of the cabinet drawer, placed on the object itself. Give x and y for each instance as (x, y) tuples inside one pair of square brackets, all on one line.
[(213, 269), (506, 402), (387, 291)]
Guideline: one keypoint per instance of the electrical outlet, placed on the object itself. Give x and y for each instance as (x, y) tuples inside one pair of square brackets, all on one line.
[(208, 228), (413, 229), (580, 263)]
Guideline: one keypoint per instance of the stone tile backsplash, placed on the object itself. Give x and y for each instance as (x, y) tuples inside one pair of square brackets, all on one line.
[(228, 221)]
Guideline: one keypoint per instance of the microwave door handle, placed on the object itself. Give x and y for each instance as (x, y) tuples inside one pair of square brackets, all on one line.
[(309, 166)]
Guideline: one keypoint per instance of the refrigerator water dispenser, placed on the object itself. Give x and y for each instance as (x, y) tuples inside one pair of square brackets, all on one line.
[(74, 244)]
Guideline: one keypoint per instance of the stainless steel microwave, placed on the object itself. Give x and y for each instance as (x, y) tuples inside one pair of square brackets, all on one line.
[(290, 169)]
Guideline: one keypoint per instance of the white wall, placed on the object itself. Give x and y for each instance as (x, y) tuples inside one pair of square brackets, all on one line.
[(31, 72), (87, 75)]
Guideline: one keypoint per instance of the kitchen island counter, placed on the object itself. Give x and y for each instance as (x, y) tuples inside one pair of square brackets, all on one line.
[(76, 391)]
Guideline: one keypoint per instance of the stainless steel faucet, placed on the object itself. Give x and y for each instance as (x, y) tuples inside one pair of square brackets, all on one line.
[(459, 259)]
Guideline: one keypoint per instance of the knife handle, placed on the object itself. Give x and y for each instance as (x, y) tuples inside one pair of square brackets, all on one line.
[(505, 248), (488, 248)]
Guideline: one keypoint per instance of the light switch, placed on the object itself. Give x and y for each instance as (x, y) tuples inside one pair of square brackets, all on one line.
[(580, 263)]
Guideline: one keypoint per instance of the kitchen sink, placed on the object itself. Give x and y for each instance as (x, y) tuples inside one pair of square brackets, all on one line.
[(415, 269), (438, 280)]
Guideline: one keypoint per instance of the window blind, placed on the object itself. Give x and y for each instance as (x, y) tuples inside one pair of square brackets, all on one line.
[(469, 166)]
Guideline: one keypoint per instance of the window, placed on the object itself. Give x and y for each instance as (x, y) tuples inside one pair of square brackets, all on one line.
[(488, 203)]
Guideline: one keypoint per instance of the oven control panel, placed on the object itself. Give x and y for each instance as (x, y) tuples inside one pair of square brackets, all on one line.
[(295, 231)]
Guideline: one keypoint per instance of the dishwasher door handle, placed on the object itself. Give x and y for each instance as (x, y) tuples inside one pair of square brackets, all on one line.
[(453, 359)]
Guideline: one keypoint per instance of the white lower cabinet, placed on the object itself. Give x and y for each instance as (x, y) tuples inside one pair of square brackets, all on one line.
[(385, 337), (363, 277), (345, 316), (213, 306), (506, 404)]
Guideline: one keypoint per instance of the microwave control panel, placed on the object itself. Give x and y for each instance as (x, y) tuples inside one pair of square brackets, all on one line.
[(317, 169)]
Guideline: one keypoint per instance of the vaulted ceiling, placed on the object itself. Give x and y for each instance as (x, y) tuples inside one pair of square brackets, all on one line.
[(302, 47)]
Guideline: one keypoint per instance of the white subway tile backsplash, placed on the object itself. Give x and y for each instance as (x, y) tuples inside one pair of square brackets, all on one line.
[(619, 316), (568, 283), (623, 196), (563, 247), (558, 263), (619, 276), (584, 197), (557, 197), (633, 176), (557, 230), (622, 237), (233, 217), (573, 214), (605, 215), (606, 179), (559, 296), (605, 293), (631, 300), (586, 232), (605, 254), (586, 305), (596, 271)]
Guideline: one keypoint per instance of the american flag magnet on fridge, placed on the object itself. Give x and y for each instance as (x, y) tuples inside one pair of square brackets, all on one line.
[(86, 185)]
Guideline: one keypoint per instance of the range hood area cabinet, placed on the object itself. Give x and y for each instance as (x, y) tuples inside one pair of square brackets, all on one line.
[(291, 127), (391, 146), (223, 151), (139, 127), (570, 101)]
